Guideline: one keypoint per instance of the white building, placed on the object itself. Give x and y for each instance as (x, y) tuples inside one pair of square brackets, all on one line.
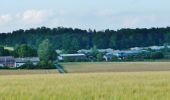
[(156, 47), (62, 56), (21, 61)]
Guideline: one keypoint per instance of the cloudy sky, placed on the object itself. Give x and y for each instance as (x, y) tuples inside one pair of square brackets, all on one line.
[(84, 14)]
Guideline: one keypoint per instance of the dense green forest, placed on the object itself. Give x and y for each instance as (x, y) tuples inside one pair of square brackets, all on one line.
[(71, 40)]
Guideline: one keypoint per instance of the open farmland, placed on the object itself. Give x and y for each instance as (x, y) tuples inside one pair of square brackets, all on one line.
[(25, 72), (92, 86), (116, 67)]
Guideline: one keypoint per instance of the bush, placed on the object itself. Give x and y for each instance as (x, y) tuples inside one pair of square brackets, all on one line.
[(157, 55), (129, 58), (27, 65), (99, 57), (114, 58), (45, 65), (4, 67), (75, 59)]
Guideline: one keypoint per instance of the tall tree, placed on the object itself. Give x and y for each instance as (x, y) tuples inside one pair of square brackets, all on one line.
[(46, 52)]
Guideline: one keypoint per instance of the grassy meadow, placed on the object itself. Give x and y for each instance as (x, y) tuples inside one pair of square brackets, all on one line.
[(87, 67), (91, 86)]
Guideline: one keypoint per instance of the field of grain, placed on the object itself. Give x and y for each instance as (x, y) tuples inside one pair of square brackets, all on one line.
[(25, 72), (116, 67), (91, 86)]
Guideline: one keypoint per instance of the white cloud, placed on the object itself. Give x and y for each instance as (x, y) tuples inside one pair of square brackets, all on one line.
[(34, 16), (4, 19)]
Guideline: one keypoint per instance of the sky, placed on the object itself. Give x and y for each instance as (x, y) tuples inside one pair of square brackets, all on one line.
[(84, 14)]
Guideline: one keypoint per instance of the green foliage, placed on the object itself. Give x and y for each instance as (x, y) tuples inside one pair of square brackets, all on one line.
[(114, 58), (70, 40), (145, 56), (4, 52), (4, 67), (25, 51), (46, 52), (100, 57), (47, 55), (113, 41), (1, 51), (46, 65), (28, 65), (75, 59), (94, 51), (129, 58), (157, 55)]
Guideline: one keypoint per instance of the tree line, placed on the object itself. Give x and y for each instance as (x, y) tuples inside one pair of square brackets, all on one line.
[(70, 40), (45, 52)]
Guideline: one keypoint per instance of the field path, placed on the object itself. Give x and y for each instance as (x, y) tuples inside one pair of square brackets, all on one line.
[(60, 68)]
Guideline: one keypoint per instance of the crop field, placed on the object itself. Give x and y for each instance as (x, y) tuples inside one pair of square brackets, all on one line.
[(91, 86), (89, 81), (116, 67), (25, 72)]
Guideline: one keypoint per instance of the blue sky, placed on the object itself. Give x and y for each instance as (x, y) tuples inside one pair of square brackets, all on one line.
[(84, 14)]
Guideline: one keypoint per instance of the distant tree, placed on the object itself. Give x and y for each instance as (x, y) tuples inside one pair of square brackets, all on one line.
[(1, 50), (75, 45), (99, 57), (4, 52), (113, 41), (114, 58), (70, 40), (27, 65), (46, 52), (129, 58), (45, 65), (157, 55), (94, 51), (25, 51)]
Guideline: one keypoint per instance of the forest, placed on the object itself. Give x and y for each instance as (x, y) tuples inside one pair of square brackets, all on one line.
[(70, 40)]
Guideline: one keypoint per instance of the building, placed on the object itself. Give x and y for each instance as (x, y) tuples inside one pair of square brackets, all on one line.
[(21, 61), (7, 61), (121, 54), (108, 56), (109, 50), (156, 47), (75, 56), (84, 51), (136, 48)]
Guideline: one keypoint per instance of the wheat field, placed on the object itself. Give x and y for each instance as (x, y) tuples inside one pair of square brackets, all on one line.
[(91, 86)]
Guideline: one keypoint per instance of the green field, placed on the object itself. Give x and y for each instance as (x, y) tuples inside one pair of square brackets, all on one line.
[(91, 86), (116, 67)]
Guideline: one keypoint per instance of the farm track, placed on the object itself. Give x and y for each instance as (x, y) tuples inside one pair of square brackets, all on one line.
[(60, 69)]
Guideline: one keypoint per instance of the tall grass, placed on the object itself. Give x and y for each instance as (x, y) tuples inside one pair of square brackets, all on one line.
[(96, 86)]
